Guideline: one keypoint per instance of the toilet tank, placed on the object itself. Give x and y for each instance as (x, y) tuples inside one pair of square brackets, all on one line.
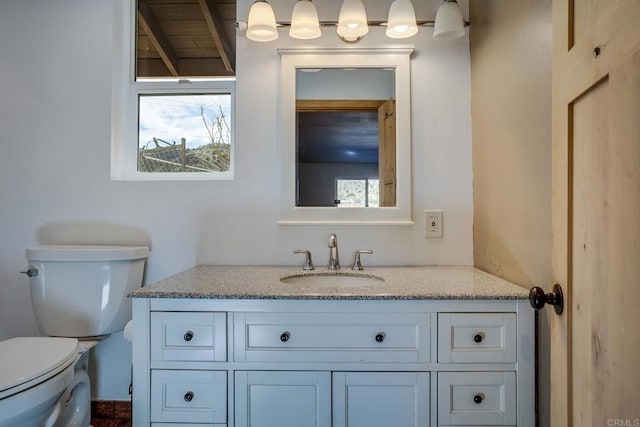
[(81, 291)]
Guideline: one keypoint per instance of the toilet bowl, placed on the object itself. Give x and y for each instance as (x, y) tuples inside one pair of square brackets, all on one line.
[(35, 375), (78, 293)]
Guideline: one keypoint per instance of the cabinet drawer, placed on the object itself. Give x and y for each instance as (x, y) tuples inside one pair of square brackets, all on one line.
[(189, 396), (332, 337), (476, 398), (477, 338), (193, 336)]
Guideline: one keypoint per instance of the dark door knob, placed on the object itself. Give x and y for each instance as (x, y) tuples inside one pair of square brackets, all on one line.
[(537, 298)]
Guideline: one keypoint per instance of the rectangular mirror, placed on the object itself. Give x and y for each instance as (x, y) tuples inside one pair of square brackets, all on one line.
[(345, 136)]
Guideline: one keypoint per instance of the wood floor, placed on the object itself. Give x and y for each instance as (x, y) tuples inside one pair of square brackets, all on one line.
[(111, 413)]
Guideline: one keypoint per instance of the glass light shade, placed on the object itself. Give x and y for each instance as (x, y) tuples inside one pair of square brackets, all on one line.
[(262, 23), (449, 21), (304, 21), (352, 21), (402, 20)]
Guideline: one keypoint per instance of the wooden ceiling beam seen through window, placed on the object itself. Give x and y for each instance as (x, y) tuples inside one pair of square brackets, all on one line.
[(157, 37), (213, 23)]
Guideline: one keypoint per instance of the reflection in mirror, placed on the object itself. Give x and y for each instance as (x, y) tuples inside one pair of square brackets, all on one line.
[(332, 81), (345, 137)]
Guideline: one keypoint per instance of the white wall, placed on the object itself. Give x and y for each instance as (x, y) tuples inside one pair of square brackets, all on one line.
[(54, 164), (345, 84), (511, 103)]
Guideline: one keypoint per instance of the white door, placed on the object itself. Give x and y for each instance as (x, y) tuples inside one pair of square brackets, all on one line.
[(380, 399), (282, 399), (595, 354)]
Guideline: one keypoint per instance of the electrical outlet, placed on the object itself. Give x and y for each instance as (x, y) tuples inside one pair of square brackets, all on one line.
[(433, 223)]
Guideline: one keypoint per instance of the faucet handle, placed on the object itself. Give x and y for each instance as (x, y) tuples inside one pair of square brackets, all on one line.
[(357, 265), (308, 264)]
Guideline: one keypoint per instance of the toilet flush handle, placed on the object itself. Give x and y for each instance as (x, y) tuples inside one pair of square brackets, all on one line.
[(31, 272)]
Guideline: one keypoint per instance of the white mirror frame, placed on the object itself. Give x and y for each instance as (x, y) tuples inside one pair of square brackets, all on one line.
[(397, 58)]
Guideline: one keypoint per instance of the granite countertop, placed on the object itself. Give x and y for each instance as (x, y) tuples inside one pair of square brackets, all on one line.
[(400, 283)]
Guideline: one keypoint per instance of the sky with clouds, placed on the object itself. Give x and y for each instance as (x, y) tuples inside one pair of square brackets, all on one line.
[(173, 117)]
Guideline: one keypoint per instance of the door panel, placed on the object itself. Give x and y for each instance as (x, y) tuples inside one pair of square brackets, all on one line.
[(615, 342), (596, 204), (282, 399), (606, 199), (590, 224), (380, 399), (387, 153)]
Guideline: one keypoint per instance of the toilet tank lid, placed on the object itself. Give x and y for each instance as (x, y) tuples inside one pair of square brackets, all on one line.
[(86, 253)]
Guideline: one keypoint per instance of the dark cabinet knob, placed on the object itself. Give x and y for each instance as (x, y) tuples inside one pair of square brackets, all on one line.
[(478, 398), (380, 336), (537, 298), (284, 337), (188, 336), (479, 337), (188, 396)]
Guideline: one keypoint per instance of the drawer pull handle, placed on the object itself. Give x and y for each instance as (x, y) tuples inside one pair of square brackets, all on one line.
[(380, 337), (188, 336), (478, 398), (188, 396), (479, 337), (284, 337)]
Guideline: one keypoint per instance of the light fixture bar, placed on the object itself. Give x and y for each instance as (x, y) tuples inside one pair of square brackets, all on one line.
[(241, 24), (352, 24)]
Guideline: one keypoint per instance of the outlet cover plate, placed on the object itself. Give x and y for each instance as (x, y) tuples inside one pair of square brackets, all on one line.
[(433, 224)]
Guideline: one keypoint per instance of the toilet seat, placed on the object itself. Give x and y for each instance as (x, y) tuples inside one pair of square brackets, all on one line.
[(28, 361)]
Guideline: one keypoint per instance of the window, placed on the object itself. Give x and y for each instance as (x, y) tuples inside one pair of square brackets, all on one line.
[(173, 90), (184, 133), (357, 193)]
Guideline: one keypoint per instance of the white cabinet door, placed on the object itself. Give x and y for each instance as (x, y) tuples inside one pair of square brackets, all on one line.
[(381, 399), (282, 399)]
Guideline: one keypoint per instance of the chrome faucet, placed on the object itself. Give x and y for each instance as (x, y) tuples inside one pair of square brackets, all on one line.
[(308, 264), (357, 263), (334, 261)]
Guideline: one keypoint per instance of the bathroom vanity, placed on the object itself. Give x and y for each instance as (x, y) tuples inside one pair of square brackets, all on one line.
[(406, 346)]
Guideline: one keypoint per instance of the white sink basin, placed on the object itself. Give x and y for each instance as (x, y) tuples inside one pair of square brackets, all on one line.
[(333, 280)]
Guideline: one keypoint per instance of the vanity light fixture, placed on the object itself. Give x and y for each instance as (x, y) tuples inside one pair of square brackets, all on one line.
[(352, 21), (352, 24), (304, 21), (262, 22), (449, 23), (402, 20)]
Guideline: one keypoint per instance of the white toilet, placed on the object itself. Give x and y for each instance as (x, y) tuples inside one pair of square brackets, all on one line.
[(79, 295)]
